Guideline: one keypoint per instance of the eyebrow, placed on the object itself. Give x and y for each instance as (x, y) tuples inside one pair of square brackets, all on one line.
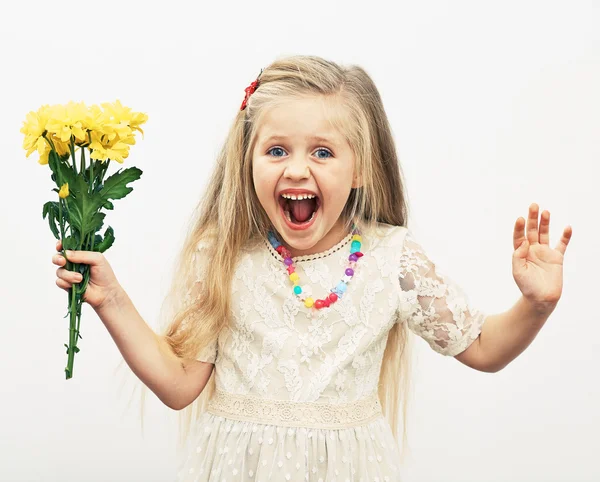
[(315, 138)]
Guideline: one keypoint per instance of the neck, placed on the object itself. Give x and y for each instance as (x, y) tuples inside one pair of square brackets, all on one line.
[(333, 237)]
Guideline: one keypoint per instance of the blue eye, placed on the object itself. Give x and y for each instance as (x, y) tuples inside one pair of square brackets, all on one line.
[(319, 157), (325, 150), (275, 148)]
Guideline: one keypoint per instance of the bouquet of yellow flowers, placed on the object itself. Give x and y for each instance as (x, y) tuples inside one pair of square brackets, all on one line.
[(58, 133)]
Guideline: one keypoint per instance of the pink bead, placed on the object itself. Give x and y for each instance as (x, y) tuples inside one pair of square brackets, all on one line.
[(291, 268), (358, 254), (333, 297), (319, 304), (326, 302)]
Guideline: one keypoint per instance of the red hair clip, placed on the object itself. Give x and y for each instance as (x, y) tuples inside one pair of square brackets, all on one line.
[(250, 90)]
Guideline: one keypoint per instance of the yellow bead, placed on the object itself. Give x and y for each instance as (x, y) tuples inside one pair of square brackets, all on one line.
[(308, 302), (294, 277), (357, 237)]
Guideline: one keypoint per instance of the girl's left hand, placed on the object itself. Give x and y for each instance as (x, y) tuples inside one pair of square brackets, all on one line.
[(537, 268)]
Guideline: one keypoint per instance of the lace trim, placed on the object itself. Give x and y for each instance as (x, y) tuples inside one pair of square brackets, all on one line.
[(295, 414), (309, 257)]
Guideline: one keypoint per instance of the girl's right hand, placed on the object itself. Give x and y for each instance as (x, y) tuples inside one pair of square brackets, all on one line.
[(102, 285)]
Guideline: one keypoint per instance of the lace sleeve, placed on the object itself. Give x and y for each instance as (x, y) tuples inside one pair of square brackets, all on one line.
[(207, 354), (434, 306)]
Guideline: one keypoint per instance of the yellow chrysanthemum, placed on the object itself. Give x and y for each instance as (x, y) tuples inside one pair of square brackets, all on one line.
[(68, 120), (117, 150), (44, 151), (64, 191), (123, 116), (34, 127)]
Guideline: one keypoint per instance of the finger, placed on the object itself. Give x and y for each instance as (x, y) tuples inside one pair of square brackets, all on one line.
[(564, 240), (519, 233), (69, 276), (85, 257), (58, 259), (61, 283), (532, 224), (58, 245), (545, 227)]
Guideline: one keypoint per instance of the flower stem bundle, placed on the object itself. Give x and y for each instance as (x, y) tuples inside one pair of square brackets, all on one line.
[(61, 134)]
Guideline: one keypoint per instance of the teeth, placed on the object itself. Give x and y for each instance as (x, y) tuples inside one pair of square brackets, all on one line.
[(299, 197)]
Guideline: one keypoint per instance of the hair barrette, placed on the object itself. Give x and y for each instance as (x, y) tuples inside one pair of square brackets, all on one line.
[(250, 90)]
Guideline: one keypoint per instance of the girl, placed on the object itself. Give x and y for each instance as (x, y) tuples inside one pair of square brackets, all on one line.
[(296, 287)]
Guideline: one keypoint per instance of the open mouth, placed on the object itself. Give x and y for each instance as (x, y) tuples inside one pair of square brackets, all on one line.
[(299, 211)]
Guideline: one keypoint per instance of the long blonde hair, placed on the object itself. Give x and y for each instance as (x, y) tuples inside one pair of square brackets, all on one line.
[(231, 213)]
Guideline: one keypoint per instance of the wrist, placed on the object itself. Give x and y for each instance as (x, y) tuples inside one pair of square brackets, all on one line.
[(114, 299), (539, 308)]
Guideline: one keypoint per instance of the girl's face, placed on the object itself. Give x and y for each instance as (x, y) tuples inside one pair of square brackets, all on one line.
[(298, 151)]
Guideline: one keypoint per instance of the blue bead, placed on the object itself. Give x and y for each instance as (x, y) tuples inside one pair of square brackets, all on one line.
[(356, 243), (341, 287), (354, 249), (297, 290)]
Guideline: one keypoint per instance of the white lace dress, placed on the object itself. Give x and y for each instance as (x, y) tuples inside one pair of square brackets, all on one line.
[(296, 395)]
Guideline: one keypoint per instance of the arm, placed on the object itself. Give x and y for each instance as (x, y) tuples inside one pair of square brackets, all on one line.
[(505, 336), (176, 382), (537, 270)]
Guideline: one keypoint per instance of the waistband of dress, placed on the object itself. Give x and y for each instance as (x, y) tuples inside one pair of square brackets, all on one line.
[(295, 414)]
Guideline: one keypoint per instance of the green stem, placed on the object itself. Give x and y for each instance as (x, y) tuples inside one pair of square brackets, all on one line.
[(72, 149), (91, 173)]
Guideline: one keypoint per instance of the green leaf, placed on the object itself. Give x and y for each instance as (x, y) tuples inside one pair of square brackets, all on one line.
[(50, 209), (83, 208), (107, 242), (115, 186), (108, 205)]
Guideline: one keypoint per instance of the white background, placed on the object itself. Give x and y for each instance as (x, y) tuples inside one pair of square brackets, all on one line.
[(494, 105)]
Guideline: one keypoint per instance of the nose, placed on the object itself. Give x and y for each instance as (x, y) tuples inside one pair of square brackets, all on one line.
[(297, 168)]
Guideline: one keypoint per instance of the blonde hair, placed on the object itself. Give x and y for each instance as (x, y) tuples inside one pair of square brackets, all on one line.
[(231, 213)]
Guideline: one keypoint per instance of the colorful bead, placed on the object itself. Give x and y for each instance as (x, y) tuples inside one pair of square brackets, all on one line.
[(305, 293)]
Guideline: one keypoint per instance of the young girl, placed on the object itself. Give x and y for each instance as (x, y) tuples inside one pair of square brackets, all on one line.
[(298, 282)]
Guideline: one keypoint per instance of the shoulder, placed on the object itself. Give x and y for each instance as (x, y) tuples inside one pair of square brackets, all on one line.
[(384, 235)]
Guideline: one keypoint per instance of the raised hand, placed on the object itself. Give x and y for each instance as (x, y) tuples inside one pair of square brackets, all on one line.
[(538, 268)]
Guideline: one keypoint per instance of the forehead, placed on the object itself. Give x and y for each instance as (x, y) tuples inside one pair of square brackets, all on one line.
[(311, 118)]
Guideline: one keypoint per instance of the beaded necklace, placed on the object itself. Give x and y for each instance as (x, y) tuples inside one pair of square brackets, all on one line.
[(304, 292)]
